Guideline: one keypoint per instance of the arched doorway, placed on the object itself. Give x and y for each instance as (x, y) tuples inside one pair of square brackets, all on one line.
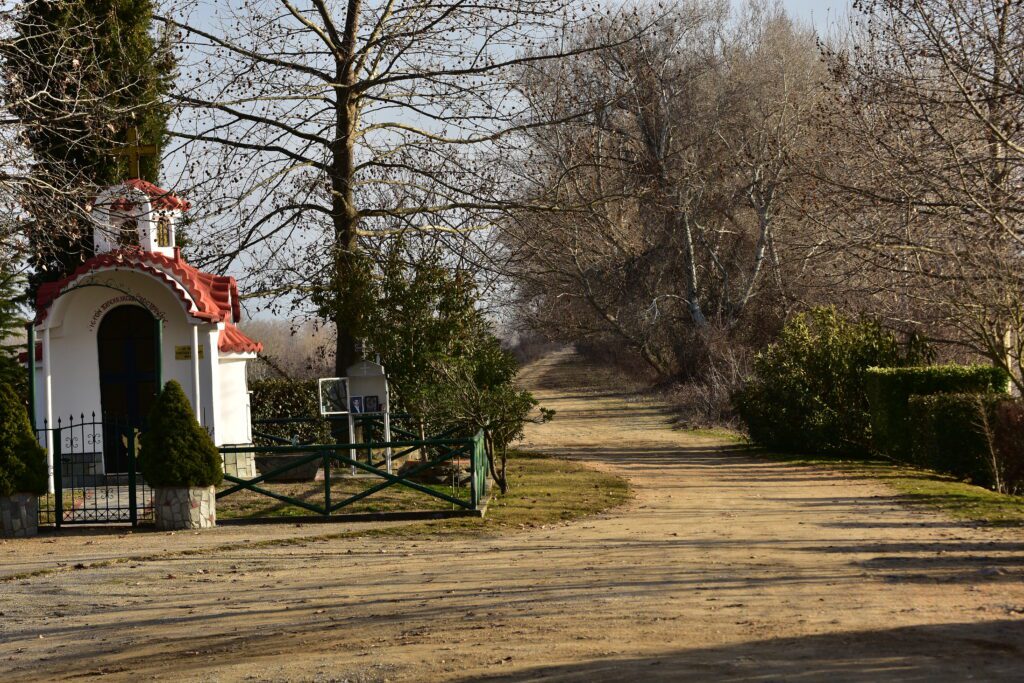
[(128, 377)]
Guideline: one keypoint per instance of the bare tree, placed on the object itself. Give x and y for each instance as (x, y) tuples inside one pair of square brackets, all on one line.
[(322, 126), (925, 160), (677, 182)]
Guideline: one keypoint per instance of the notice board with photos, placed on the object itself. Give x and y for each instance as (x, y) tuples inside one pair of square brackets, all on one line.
[(368, 388)]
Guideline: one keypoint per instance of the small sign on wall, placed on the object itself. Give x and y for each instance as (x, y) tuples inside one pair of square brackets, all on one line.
[(185, 352)]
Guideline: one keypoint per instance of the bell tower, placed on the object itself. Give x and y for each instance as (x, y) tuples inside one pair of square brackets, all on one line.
[(136, 213)]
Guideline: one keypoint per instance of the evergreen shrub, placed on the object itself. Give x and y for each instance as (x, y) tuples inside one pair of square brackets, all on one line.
[(276, 399), (946, 434), (807, 389), (176, 452), (22, 459), (889, 391)]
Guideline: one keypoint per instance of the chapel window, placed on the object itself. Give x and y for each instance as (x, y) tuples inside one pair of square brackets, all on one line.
[(163, 231), (128, 235)]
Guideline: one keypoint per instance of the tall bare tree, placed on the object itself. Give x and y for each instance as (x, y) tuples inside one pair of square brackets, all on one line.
[(677, 182), (925, 157), (324, 125)]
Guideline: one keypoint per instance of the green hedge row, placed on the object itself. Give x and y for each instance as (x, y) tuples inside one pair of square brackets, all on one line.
[(807, 390), (275, 399), (889, 392), (975, 436)]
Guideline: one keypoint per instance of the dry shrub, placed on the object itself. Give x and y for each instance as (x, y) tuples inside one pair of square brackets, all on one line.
[(1008, 440), (717, 364), (529, 346)]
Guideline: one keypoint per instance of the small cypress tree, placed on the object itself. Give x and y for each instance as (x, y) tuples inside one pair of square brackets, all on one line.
[(22, 459), (176, 452)]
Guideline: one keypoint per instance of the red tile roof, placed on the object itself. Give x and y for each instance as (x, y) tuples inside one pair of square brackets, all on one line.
[(206, 296), (160, 199), (233, 340)]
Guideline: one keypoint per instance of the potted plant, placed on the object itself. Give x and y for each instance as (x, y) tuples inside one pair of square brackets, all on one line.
[(22, 469), (180, 463)]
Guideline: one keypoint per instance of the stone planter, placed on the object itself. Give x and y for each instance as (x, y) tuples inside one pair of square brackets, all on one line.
[(304, 472), (185, 508), (19, 515)]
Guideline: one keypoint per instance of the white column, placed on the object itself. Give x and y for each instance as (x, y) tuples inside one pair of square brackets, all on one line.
[(48, 388), (213, 362), (195, 373)]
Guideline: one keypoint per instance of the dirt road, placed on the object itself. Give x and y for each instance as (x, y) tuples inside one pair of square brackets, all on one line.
[(723, 568)]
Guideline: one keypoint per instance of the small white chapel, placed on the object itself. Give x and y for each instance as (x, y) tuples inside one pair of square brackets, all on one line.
[(132, 317)]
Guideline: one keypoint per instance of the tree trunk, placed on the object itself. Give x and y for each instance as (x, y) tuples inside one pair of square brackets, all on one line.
[(345, 285)]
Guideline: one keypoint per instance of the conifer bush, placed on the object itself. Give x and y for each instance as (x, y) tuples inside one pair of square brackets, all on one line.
[(176, 452), (22, 459)]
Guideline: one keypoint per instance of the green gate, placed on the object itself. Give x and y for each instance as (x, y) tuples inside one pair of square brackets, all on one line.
[(332, 461)]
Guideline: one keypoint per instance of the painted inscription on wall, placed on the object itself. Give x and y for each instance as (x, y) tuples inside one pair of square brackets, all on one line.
[(124, 299)]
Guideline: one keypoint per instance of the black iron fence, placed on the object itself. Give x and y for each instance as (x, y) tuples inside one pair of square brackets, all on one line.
[(95, 473)]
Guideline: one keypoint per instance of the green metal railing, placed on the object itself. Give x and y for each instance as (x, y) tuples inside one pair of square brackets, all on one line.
[(442, 450)]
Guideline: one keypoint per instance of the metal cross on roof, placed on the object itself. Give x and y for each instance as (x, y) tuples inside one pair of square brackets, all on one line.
[(135, 151)]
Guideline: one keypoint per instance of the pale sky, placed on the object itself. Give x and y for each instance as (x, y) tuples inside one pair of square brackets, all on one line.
[(820, 12)]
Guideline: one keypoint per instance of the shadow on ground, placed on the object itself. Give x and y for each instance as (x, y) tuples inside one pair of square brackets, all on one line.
[(917, 653)]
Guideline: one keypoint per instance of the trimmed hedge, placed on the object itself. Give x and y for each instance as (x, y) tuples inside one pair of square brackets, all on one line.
[(889, 391), (807, 389), (1008, 425), (275, 399), (176, 452), (975, 436), (22, 459)]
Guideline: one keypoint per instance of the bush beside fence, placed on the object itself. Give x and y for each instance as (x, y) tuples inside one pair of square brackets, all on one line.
[(807, 391), (275, 399)]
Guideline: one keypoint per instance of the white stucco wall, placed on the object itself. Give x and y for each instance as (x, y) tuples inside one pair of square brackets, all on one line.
[(234, 422), (73, 324)]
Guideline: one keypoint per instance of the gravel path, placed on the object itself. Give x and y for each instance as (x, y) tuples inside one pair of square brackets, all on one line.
[(722, 568)]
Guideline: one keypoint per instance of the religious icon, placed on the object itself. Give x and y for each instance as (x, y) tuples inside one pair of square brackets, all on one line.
[(356, 404), (333, 395), (371, 404)]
